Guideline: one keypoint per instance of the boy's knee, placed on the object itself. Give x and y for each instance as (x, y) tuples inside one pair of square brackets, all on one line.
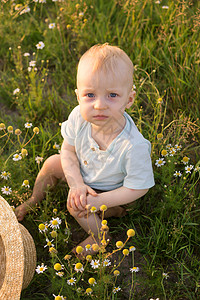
[(73, 213)]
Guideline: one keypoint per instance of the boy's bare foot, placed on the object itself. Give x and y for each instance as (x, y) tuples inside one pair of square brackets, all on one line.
[(22, 210)]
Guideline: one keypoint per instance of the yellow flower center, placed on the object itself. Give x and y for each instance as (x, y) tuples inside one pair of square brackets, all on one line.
[(57, 267), (130, 232), (91, 280), (54, 222), (42, 226), (78, 266)]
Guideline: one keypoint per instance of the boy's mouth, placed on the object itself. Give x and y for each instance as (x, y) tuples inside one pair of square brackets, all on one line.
[(100, 117)]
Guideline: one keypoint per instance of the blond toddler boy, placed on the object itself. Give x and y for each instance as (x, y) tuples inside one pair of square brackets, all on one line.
[(104, 158)]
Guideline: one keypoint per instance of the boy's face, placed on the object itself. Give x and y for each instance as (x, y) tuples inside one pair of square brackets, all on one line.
[(103, 97)]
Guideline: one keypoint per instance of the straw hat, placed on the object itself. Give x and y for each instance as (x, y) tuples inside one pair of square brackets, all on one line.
[(17, 254)]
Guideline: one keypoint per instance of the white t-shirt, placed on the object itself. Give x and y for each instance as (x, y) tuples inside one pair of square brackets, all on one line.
[(126, 162)]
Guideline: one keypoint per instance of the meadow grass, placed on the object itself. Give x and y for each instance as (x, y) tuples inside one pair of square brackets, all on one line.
[(162, 39)]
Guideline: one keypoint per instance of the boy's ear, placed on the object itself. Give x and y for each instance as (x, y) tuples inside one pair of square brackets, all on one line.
[(77, 96), (131, 98)]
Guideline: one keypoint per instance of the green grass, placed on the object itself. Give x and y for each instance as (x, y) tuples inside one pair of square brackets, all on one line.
[(164, 47)]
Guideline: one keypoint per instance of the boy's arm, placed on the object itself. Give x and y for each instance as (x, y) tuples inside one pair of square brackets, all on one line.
[(71, 168), (115, 197), (70, 165)]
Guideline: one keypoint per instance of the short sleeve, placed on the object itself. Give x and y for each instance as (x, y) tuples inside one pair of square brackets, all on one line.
[(70, 127), (138, 167)]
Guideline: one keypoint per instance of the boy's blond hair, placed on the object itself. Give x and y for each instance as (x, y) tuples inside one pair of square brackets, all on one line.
[(106, 58)]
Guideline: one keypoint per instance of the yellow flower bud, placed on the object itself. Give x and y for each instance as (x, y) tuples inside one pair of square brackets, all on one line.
[(79, 249), (42, 226), (88, 291), (67, 257), (125, 252), (119, 244), (78, 266), (130, 232), (104, 222), (89, 257), (24, 152), (53, 251), (95, 247), (104, 228), (116, 273), (10, 129), (57, 267), (68, 26), (103, 207), (54, 234), (93, 209), (164, 152), (2, 126), (18, 131), (36, 130), (159, 136), (55, 210), (91, 280)]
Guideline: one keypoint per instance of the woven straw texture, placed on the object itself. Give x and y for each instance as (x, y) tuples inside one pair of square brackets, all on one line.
[(17, 254)]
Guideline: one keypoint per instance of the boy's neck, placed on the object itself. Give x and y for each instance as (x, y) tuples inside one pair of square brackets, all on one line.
[(109, 130)]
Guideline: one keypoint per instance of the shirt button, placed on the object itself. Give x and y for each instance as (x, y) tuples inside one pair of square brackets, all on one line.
[(93, 149), (85, 162)]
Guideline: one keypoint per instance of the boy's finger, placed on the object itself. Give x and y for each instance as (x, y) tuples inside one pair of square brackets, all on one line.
[(92, 192), (83, 200)]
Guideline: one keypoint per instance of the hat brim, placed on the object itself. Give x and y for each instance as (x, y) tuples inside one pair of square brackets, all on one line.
[(14, 256)]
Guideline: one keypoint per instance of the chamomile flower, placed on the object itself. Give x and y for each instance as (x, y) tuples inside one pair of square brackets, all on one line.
[(160, 162), (26, 183), (165, 275), (17, 157), (95, 264), (5, 175), (164, 152), (106, 263), (39, 159), (41, 269), (93, 209), (188, 169), (177, 174), (168, 146), (88, 291), (165, 7), (49, 243), (116, 289), (28, 125), (6, 190), (60, 274), (172, 151), (79, 267), (185, 160), (134, 269), (40, 45), (43, 227), (197, 169), (88, 247), (58, 297), (55, 223), (52, 25), (26, 54), (32, 63), (132, 248), (178, 147), (25, 10), (92, 281), (71, 281), (16, 91)]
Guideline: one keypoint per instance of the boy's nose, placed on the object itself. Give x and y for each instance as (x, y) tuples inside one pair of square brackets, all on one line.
[(100, 103)]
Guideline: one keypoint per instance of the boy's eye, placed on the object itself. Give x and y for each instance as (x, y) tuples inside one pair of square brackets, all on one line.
[(113, 95), (90, 95)]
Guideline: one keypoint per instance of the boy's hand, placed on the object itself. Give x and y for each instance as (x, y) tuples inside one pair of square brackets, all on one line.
[(77, 197)]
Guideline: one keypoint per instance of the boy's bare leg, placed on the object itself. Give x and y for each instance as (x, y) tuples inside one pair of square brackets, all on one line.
[(92, 225), (47, 177)]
